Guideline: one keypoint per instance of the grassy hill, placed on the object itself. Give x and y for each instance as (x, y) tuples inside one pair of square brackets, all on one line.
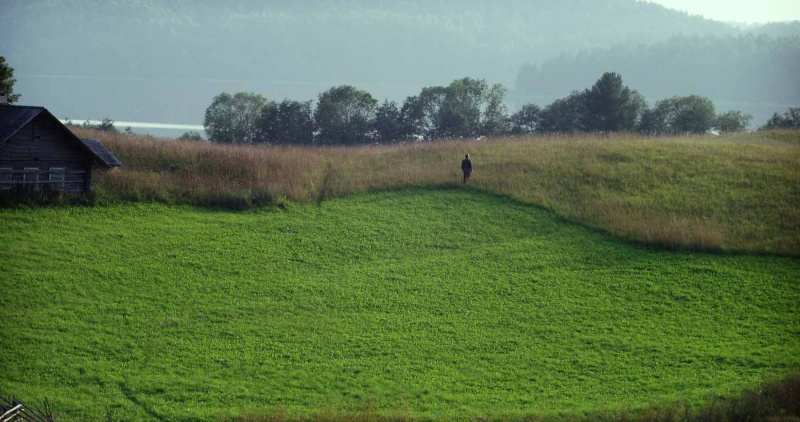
[(374, 285), (736, 193), (410, 304)]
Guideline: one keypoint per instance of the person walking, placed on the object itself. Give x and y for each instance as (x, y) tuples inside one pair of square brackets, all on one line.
[(466, 167)]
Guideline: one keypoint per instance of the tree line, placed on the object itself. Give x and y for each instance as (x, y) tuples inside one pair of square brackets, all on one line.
[(466, 108), (345, 115)]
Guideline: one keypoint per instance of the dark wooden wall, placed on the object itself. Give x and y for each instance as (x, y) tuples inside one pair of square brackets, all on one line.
[(45, 144)]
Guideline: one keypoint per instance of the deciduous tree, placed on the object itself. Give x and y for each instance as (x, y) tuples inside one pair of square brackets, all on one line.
[(789, 120), (290, 122), (7, 81), (465, 108), (388, 123), (527, 120), (565, 114), (234, 119), (732, 121), (690, 114), (105, 125), (460, 114), (191, 136), (344, 116), (495, 114), (421, 114), (611, 106)]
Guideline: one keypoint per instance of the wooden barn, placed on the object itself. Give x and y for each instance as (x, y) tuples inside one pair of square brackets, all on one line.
[(38, 152)]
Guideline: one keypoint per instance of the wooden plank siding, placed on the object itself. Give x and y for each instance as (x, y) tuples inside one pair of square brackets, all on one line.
[(67, 181), (44, 144)]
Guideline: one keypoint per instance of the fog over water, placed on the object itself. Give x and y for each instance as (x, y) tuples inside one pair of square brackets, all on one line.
[(175, 99)]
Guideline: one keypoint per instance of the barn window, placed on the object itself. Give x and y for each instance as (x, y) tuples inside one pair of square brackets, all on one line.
[(57, 178), (30, 176)]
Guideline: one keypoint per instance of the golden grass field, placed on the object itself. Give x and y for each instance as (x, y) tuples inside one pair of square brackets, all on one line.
[(733, 193)]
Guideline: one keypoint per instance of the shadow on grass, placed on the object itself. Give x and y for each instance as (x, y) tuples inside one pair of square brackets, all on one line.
[(22, 198), (774, 401), (126, 391)]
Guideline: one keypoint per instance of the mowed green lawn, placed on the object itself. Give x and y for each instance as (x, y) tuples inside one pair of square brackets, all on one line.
[(434, 304)]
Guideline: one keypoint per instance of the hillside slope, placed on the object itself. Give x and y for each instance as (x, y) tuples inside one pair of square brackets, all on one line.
[(736, 192), (414, 305)]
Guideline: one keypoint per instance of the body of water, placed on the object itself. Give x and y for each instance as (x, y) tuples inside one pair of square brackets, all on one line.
[(167, 130)]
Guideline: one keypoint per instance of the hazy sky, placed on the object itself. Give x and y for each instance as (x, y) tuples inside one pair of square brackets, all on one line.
[(746, 11)]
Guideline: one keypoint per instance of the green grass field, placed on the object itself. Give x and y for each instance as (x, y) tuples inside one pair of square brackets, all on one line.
[(416, 304), (738, 193)]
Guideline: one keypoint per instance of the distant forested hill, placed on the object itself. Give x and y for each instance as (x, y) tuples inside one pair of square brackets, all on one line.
[(745, 72), (372, 40), (168, 58)]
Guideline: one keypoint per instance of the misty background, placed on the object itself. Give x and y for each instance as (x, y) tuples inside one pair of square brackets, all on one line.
[(164, 61)]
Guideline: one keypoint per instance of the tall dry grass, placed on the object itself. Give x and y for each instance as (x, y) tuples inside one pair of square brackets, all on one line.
[(732, 193)]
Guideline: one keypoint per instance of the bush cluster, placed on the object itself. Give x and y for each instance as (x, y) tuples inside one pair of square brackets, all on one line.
[(789, 120)]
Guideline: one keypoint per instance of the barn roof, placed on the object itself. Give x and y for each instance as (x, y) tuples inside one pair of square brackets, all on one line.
[(14, 117), (101, 152)]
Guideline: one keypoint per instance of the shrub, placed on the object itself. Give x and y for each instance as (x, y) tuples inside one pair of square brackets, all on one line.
[(789, 120)]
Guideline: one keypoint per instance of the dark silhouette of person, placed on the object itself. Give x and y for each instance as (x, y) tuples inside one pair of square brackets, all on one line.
[(466, 167)]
